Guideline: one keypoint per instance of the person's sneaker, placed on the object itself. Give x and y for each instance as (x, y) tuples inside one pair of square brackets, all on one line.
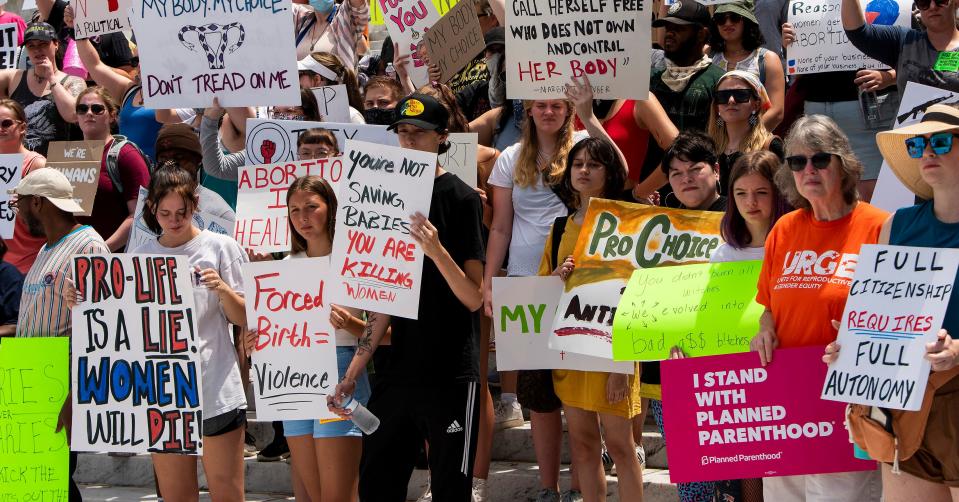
[(249, 446), (640, 454), (507, 415), (275, 451), (480, 490), (547, 495), (571, 496)]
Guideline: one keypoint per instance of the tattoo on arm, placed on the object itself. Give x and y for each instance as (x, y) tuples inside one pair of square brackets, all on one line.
[(365, 344), (75, 86)]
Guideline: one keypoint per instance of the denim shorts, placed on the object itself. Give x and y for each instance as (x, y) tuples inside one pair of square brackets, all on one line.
[(848, 117), (334, 428)]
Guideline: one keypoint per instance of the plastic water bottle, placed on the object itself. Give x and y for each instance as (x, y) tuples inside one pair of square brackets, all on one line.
[(871, 114), (361, 416), (390, 70)]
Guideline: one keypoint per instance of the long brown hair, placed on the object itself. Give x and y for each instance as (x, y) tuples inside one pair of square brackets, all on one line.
[(17, 110), (318, 186), (344, 76), (526, 172), (168, 179)]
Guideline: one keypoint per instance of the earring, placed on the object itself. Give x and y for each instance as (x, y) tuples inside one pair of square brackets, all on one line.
[(753, 119), (719, 121), (719, 187)]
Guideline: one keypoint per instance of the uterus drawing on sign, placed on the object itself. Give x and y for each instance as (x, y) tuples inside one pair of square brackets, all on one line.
[(214, 39)]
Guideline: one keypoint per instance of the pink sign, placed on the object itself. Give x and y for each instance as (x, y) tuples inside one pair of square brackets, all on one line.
[(727, 417)]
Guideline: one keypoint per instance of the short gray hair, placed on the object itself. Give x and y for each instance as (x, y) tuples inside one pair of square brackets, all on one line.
[(819, 133)]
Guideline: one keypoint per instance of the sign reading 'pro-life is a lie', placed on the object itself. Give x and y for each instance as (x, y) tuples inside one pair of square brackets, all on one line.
[(377, 265), (136, 362), (896, 305)]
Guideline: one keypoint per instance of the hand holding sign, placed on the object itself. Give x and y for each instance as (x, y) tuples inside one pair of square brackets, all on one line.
[(943, 354)]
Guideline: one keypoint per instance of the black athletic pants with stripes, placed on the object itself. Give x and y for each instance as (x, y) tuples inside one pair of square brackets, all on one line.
[(446, 416)]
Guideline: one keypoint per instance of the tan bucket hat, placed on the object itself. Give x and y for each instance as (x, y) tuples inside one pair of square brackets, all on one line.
[(892, 145)]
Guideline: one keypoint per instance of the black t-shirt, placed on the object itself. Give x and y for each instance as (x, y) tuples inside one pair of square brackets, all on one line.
[(12, 281), (442, 345), (726, 162)]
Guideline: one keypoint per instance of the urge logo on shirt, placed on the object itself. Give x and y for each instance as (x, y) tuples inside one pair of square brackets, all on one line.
[(810, 269)]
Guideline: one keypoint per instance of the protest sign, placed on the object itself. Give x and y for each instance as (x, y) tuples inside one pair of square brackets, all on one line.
[(11, 168), (376, 263), (617, 238), (261, 212), (821, 44), (704, 309), (460, 159), (333, 103), (242, 53), (34, 458), (548, 42), (408, 21), (455, 40), (896, 305), (79, 161), (136, 362), (294, 361), (727, 417), (523, 311), (8, 45), (269, 140), (376, 15), (96, 17), (213, 214)]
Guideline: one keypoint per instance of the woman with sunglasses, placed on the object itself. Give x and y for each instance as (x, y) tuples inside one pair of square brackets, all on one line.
[(736, 44), (23, 247), (807, 271)]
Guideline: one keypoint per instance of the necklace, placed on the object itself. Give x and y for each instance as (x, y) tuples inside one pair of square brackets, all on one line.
[(542, 159)]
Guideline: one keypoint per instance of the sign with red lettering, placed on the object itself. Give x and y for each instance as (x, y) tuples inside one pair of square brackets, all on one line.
[(896, 305), (408, 21), (136, 358), (294, 359), (548, 43), (377, 264), (97, 17), (261, 213)]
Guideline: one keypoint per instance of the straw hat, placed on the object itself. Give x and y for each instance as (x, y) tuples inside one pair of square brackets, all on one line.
[(892, 145)]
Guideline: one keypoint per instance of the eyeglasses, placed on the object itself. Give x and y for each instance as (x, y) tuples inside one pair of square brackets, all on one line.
[(941, 144), (96, 109), (721, 19), (819, 161), (738, 95), (8, 123), (925, 4)]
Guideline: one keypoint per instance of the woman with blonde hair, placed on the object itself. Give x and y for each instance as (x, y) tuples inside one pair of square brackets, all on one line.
[(23, 247)]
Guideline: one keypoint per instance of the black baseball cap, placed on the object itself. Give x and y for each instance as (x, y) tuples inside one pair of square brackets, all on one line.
[(421, 111), (685, 12), (39, 31)]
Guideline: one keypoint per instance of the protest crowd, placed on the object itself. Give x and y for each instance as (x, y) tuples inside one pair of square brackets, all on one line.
[(430, 206)]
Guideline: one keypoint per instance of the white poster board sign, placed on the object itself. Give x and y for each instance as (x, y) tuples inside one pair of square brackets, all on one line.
[(243, 54), (896, 305), (11, 169), (523, 311), (213, 214), (294, 358), (269, 140), (8, 45), (548, 42), (407, 21), (333, 103), (377, 264), (99, 17), (460, 159)]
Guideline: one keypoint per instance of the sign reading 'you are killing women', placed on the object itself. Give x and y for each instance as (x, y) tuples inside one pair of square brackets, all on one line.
[(136, 363)]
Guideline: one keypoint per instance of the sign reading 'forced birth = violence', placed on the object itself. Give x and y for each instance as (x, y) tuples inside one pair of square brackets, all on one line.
[(136, 362)]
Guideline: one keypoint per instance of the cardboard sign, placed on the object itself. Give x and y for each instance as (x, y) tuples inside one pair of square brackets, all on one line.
[(213, 214), (262, 222), (8, 45), (136, 361), (821, 44), (294, 361), (618, 238), (35, 459), (727, 417), (408, 21), (460, 159), (704, 309), (79, 161), (269, 140), (11, 169), (548, 42), (376, 263), (240, 52), (333, 102), (455, 40), (523, 311), (96, 17), (896, 306)]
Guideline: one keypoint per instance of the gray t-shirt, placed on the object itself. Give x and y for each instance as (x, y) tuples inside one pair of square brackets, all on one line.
[(908, 51)]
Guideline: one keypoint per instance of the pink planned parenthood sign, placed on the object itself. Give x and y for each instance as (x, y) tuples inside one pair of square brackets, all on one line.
[(727, 417)]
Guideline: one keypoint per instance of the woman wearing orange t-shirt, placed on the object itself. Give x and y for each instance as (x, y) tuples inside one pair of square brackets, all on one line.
[(811, 255)]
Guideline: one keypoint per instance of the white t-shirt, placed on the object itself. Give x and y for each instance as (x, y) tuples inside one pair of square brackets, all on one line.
[(222, 386), (534, 209), (729, 253), (343, 337)]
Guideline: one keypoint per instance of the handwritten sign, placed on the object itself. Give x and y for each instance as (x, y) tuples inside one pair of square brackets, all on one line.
[(34, 459), (376, 263), (240, 52), (727, 417), (821, 44), (455, 40), (136, 362), (213, 214), (11, 169), (408, 21), (896, 305), (376, 15), (96, 17), (261, 212), (704, 309), (8, 45), (79, 161), (269, 140), (618, 238), (460, 159), (333, 102), (294, 364), (523, 309), (550, 42)]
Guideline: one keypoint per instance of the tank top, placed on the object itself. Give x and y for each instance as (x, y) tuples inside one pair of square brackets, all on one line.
[(44, 123), (754, 63), (139, 124), (22, 248), (631, 139)]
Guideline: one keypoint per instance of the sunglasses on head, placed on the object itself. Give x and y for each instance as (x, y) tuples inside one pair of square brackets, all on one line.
[(738, 95), (819, 161), (925, 4), (8, 123), (941, 144), (96, 109), (722, 18)]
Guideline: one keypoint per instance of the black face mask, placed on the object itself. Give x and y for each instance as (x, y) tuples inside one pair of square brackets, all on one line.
[(379, 116)]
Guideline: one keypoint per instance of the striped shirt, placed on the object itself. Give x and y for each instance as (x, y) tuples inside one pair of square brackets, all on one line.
[(43, 311)]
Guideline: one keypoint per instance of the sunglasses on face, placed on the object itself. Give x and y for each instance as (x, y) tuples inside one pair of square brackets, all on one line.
[(925, 4), (819, 161), (738, 95), (721, 19), (8, 123), (941, 144), (96, 109)]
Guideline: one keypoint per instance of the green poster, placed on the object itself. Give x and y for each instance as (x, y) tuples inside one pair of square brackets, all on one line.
[(34, 381), (704, 309)]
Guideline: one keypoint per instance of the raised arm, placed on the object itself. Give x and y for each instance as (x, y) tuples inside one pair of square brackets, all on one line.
[(580, 92), (852, 15), (117, 85), (649, 115)]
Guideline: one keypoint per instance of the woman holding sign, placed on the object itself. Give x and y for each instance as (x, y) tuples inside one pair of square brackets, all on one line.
[(22, 249), (216, 260)]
